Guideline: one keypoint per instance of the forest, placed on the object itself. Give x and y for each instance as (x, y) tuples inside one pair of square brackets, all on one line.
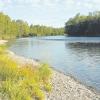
[(84, 25), (18, 28)]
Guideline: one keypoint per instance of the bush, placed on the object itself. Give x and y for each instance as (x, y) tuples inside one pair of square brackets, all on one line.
[(22, 82), (44, 73), (8, 68), (2, 49)]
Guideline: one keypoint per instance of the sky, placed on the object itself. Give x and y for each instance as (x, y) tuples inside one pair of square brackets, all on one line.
[(47, 12)]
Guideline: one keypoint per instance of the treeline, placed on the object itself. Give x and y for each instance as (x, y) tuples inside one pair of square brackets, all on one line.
[(82, 25), (38, 30), (18, 28)]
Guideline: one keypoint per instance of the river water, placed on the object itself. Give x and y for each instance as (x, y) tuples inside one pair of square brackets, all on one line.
[(78, 56)]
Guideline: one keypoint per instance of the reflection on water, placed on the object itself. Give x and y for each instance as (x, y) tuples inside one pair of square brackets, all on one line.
[(81, 59), (88, 59), (91, 49)]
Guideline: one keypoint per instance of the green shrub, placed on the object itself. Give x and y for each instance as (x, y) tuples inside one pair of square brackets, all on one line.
[(2, 49), (8, 68), (44, 72), (23, 82)]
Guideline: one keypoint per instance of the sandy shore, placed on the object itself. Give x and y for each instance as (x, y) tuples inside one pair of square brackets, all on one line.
[(3, 42), (63, 87), (22, 60)]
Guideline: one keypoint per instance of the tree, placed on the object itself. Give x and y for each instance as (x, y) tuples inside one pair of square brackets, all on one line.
[(18, 28), (81, 25)]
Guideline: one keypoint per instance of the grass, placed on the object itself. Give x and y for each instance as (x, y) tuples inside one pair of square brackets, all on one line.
[(48, 87), (22, 82)]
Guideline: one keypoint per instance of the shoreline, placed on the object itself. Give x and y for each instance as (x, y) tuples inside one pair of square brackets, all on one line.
[(3, 42), (72, 86), (23, 60), (71, 76)]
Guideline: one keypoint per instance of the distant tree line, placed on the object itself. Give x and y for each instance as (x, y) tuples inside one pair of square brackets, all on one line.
[(82, 25), (18, 28)]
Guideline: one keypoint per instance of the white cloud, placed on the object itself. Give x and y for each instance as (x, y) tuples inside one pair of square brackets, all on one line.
[(4, 3), (58, 10), (51, 3), (90, 4), (1, 5)]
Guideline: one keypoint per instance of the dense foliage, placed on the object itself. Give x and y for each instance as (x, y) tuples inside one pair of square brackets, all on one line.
[(82, 25), (17, 28), (38, 30), (22, 82)]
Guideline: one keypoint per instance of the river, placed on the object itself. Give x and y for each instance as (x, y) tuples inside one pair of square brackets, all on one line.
[(78, 56)]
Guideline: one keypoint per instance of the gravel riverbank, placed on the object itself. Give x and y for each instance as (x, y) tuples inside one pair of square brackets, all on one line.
[(67, 88), (63, 87)]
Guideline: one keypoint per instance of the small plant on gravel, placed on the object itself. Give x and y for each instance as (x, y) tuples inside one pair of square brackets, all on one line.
[(48, 87), (45, 73)]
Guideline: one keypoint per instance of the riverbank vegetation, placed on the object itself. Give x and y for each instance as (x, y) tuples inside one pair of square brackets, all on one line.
[(25, 82), (82, 25), (18, 28)]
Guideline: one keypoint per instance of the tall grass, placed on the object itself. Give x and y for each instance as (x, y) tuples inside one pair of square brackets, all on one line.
[(22, 82)]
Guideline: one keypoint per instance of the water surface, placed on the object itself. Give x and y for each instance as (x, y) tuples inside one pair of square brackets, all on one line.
[(78, 56)]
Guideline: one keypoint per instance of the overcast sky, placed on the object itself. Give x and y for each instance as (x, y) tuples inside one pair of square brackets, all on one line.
[(47, 12)]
